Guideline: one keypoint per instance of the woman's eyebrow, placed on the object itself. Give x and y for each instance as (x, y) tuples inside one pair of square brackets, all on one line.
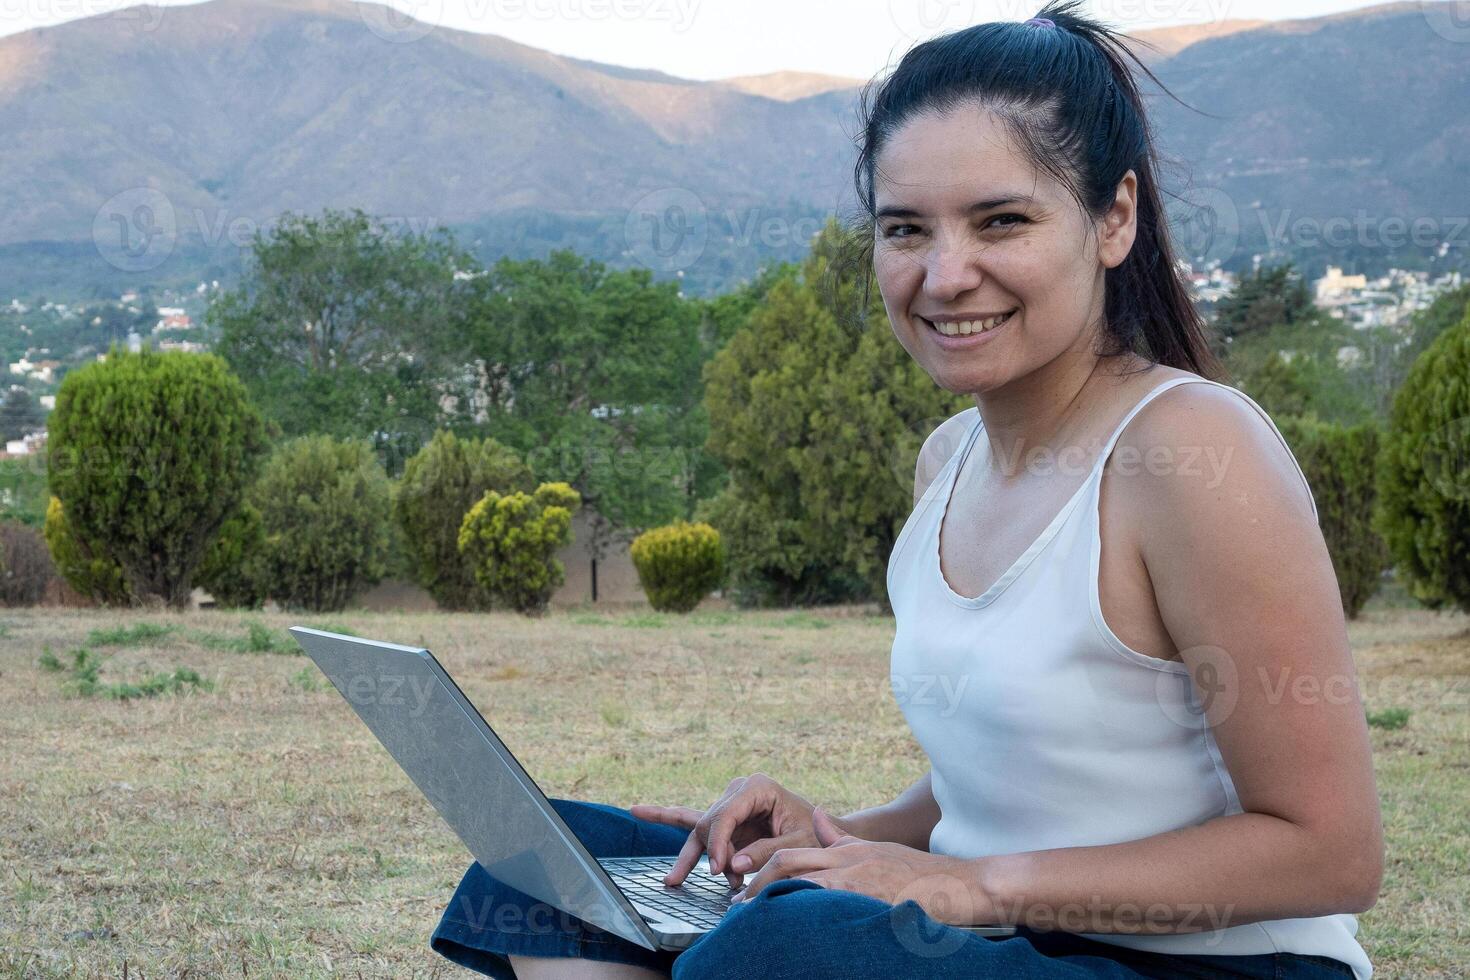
[(985, 205)]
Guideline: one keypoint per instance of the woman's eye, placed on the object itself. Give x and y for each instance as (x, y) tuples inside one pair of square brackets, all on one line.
[(1020, 219), (892, 231)]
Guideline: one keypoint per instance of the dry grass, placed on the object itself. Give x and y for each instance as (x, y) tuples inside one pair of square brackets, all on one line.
[(257, 829)]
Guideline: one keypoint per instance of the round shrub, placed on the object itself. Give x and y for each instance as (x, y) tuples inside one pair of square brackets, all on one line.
[(510, 540), (80, 563), (324, 506), (234, 568), (149, 453), (440, 483), (1341, 468), (679, 564), (1424, 476), (26, 568)]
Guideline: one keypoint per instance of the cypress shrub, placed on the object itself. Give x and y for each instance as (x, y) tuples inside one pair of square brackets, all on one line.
[(325, 507), (1424, 478), (1341, 468), (440, 483), (149, 453)]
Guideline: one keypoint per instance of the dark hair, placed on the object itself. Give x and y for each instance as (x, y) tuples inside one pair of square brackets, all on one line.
[(1068, 98)]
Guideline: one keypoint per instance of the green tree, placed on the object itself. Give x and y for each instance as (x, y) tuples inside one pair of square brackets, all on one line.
[(149, 453), (1269, 297), (20, 414), (1284, 352), (510, 541), (1424, 477), (439, 485), (325, 505), (594, 376), (341, 327), (817, 413)]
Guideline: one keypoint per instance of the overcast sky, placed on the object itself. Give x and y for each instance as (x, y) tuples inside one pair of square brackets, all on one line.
[(719, 38)]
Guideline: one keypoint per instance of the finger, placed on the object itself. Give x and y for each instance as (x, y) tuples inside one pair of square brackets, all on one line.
[(792, 862), (678, 816), (828, 833), (724, 819), (754, 856), (688, 857)]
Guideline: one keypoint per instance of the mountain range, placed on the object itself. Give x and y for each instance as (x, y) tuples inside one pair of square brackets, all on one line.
[(196, 125)]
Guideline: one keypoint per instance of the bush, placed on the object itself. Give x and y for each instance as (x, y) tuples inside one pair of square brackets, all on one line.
[(325, 506), (81, 564), (149, 453), (439, 485), (26, 568), (509, 541), (234, 568), (1424, 477), (679, 564), (1341, 467)]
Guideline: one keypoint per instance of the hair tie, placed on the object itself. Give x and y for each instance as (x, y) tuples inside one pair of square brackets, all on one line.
[(1041, 22)]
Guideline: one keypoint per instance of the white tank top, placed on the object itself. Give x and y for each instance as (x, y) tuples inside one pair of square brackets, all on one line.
[(1043, 728)]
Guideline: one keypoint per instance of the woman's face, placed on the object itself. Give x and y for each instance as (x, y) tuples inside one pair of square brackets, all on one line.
[(968, 229)]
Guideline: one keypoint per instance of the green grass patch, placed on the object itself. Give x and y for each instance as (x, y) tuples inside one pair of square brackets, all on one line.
[(802, 620), (83, 678), (645, 620), (258, 638), (1389, 718), (128, 636), (307, 679)]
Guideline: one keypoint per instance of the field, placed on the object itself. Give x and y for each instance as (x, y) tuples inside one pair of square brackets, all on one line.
[(247, 824)]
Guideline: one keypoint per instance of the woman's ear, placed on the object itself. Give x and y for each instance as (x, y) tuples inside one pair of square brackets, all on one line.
[(1120, 224)]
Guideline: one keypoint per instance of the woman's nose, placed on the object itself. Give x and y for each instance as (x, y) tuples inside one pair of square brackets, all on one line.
[(951, 268)]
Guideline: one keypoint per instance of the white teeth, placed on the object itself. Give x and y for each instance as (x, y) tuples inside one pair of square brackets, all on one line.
[(964, 328)]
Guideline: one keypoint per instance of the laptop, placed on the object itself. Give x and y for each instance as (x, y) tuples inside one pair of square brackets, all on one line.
[(408, 700)]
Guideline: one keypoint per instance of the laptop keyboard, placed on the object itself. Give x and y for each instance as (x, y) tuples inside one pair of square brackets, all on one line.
[(702, 900)]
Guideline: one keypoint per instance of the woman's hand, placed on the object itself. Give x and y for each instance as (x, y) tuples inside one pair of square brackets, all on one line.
[(946, 888), (755, 817)]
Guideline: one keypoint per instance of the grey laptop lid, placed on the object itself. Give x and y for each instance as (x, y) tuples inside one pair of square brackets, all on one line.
[(427, 724)]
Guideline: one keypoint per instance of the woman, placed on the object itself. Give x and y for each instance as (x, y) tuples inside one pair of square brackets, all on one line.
[(1139, 762)]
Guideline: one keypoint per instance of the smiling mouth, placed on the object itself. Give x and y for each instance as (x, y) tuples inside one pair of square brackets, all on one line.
[(964, 328)]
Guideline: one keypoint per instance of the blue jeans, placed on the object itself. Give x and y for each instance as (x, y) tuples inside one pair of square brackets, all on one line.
[(798, 930)]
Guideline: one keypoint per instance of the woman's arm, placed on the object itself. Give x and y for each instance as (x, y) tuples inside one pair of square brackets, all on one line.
[(1246, 589), (907, 820)]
